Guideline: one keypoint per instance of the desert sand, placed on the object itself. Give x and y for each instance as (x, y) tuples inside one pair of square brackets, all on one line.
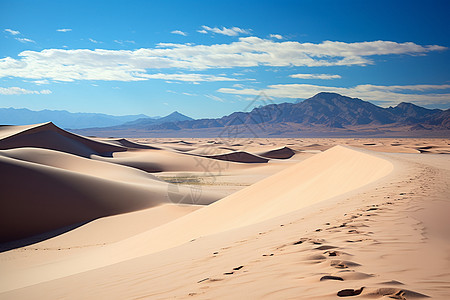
[(153, 218)]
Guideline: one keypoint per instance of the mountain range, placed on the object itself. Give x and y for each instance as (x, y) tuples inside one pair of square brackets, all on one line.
[(63, 118), (324, 109), (323, 113), (173, 118)]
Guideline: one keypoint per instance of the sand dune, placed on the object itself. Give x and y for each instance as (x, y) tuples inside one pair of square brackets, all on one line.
[(44, 183), (128, 144), (280, 153), (49, 136), (49, 198), (154, 161), (344, 222), (332, 173), (103, 231), (78, 164), (239, 156)]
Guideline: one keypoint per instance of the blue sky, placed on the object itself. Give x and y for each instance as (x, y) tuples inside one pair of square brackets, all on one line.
[(210, 58)]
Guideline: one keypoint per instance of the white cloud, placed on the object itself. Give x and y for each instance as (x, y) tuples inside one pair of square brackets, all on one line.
[(189, 94), (276, 36), (21, 91), (187, 77), (25, 40), (133, 65), (64, 30), (215, 98), (94, 41), (179, 32), (123, 42), (315, 76), (202, 31), (385, 95), (234, 31), (40, 82), (13, 32)]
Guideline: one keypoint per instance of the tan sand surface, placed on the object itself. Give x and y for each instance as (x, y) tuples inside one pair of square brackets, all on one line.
[(165, 218)]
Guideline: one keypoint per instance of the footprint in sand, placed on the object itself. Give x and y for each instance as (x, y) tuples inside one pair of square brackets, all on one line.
[(329, 277), (234, 269), (325, 247), (392, 282), (299, 242), (349, 292)]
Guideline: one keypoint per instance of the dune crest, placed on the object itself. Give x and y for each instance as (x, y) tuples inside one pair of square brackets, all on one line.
[(280, 153), (49, 136), (239, 156), (128, 144)]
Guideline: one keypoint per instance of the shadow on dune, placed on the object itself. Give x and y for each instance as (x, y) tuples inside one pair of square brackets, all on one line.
[(238, 156), (39, 238)]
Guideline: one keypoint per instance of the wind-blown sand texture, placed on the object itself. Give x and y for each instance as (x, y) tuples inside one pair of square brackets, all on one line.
[(226, 218)]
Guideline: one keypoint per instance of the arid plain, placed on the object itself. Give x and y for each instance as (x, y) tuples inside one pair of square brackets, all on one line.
[(247, 218)]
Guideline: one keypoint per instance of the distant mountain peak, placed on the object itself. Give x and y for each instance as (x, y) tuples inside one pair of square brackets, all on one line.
[(328, 94), (177, 113), (331, 96), (171, 118), (176, 116), (406, 104)]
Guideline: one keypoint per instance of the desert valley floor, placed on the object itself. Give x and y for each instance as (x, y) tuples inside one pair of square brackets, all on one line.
[(293, 218)]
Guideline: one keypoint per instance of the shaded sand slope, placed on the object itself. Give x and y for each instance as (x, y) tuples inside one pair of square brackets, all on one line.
[(78, 164), (280, 153), (66, 241), (239, 156), (44, 190), (330, 174), (48, 182), (128, 144), (170, 161), (49, 136), (56, 198)]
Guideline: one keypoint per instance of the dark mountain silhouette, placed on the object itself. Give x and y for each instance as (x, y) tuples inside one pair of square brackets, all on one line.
[(412, 114), (328, 109), (441, 119), (322, 113)]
